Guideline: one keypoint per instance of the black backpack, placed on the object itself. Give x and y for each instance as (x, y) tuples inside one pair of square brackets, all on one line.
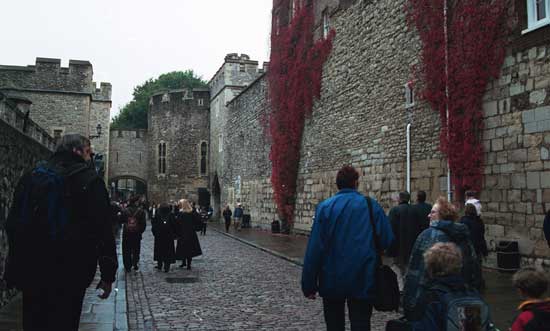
[(539, 322), (38, 228)]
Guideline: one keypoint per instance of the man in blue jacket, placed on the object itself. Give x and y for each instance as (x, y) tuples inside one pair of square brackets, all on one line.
[(341, 257)]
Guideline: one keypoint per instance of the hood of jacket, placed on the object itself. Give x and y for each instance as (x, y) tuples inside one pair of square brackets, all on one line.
[(457, 231)]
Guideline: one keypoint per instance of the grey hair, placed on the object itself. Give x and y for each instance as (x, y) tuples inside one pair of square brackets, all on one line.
[(72, 141)]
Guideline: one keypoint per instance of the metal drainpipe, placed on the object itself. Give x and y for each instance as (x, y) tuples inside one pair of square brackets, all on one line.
[(409, 157)]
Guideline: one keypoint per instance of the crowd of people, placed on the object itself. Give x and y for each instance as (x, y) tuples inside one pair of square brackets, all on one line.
[(61, 220), (437, 259)]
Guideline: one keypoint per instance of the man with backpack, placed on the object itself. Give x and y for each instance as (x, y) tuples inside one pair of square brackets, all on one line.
[(134, 227), (59, 230)]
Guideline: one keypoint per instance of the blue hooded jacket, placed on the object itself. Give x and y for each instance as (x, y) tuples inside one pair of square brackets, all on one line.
[(340, 257)]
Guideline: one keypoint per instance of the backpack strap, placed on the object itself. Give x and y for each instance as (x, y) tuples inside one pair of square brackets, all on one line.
[(377, 245)]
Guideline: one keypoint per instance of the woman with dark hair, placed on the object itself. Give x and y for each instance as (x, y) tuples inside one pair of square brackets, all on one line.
[(188, 244), (443, 228), (477, 230), (163, 227)]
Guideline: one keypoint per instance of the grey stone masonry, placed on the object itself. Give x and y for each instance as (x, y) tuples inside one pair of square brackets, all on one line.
[(361, 119), (178, 119), (22, 144), (129, 154)]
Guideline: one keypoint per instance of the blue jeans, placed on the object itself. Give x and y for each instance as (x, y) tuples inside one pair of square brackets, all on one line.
[(360, 312)]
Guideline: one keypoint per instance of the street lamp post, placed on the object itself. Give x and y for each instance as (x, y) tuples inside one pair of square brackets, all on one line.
[(98, 131)]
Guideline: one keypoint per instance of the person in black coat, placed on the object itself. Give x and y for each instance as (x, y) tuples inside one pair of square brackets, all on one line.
[(134, 226), (188, 243), (477, 230), (164, 228), (53, 274), (546, 227), (422, 209), (227, 217)]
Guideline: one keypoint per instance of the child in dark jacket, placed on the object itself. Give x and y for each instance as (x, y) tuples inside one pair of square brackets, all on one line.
[(535, 310), (443, 263)]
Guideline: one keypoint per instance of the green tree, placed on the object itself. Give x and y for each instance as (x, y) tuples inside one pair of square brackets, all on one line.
[(134, 114)]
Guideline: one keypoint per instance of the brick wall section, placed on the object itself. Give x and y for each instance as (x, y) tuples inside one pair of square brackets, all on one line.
[(129, 154), (19, 151), (182, 125), (247, 168), (361, 120)]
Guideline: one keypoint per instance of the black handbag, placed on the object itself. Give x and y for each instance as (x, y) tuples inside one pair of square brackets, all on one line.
[(386, 286)]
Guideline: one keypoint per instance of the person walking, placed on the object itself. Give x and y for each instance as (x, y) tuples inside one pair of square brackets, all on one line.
[(227, 217), (134, 226), (443, 228), (59, 229), (422, 209), (188, 245), (477, 230), (164, 228), (238, 216), (406, 227), (204, 220), (340, 259)]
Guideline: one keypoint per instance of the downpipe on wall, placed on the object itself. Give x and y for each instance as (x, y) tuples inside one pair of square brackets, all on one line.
[(409, 157)]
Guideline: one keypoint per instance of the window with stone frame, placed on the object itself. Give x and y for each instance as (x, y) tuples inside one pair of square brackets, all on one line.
[(409, 95), (200, 102), (242, 67), (220, 143), (203, 158), (538, 14), (326, 23), (57, 134), (162, 158)]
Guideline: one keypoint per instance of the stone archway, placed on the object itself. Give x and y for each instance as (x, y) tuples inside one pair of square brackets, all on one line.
[(122, 187)]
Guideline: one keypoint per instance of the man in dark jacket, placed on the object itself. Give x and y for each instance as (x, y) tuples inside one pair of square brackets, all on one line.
[(546, 226), (422, 209), (340, 256), (55, 249), (134, 226), (406, 227)]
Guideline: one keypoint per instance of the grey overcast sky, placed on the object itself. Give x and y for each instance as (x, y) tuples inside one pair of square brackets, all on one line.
[(130, 41)]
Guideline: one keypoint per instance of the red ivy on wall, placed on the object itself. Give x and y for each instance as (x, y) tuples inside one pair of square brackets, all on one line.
[(477, 36), (294, 77)]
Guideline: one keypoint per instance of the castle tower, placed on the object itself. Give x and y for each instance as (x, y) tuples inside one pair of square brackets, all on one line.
[(178, 146), (235, 74)]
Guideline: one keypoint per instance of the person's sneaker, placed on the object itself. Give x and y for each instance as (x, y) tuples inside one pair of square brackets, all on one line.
[(136, 267)]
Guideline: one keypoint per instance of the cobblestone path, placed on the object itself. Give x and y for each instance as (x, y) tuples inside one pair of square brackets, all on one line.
[(238, 288)]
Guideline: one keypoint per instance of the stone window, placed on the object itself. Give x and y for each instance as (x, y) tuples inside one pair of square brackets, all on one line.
[(538, 14), (139, 157), (326, 23), (57, 134), (165, 97), (188, 95), (242, 67), (119, 133), (220, 143), (200, 102), (409, 95), (162, 158), (137, 134), (203, 158)]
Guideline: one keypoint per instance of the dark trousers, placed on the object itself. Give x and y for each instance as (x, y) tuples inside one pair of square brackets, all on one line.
[(53, 308), (360, 312), (203, 229), (227, 224), (131, 248)]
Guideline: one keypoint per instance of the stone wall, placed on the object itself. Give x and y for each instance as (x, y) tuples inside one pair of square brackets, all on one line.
[(63, 99), (361, 119), (180, 119), (247, 169), (129, 154), (232, 77), (19, 151)]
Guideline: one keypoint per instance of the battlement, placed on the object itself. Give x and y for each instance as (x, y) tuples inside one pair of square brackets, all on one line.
[(103, 93), (197, 97), (48, 74)]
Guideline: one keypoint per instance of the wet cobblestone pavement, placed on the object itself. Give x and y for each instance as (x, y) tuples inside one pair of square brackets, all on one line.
[(238, 288)]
